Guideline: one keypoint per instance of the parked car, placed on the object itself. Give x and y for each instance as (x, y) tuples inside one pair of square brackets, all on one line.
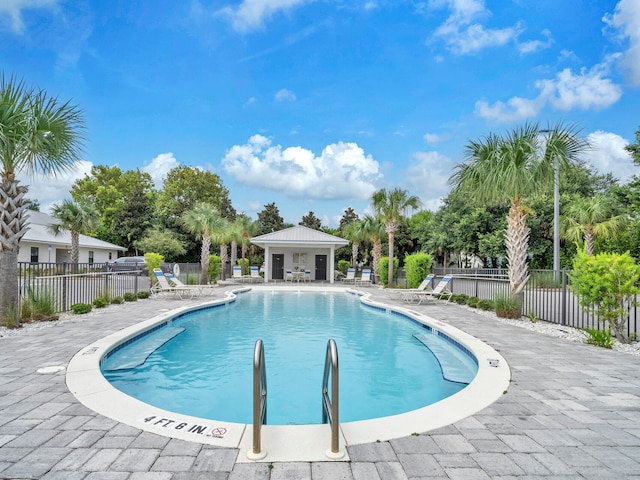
[(132, 264)]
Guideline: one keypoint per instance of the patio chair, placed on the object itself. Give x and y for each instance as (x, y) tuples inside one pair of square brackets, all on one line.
[(237, 273), (178, 283), (163, 287), (288, 276), (351, 276), (439, 292), (255, 274), (408, 294), (365, 278), (307, 276)]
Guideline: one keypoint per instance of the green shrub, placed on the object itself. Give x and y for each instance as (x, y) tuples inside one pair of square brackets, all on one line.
[(100, 302), (599, 338), (117, 300), (213, 270), (153, 260), (80, 308), (417, 267), (486, 305), (606, 283), (343, 266), (473, 301), (143, 294), (193, 278), (460, 298), (130, 297), (383, 269), (507, 306)]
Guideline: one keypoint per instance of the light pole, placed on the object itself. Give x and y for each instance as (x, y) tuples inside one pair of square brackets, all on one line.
[(556, 212)]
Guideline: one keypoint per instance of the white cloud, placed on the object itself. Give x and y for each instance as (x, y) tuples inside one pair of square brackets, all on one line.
[(626, 20), (160, 166), (371, 5), (50, 189), (536, 45), (432, 138), (428, 178), (285, 95), (587, 90), (342, 171), (251, 14), (11, 11), (607, 155), (251, 101), (462, 35)]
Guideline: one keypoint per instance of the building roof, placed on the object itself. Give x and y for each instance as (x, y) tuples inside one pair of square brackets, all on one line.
[(299, 235), (38, 232)]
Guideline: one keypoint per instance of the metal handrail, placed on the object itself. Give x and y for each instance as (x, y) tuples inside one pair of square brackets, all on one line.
[(259, 395), (330, 407)]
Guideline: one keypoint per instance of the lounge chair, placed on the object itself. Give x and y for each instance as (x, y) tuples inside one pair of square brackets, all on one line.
[(441, 291), (237, 273), (163, 286), (178, 283), (365, 278), (255, 274), (408, 294), (351, 276)]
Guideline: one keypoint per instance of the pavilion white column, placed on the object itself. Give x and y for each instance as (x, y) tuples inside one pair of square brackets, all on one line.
[(267, 264), (332, 255)]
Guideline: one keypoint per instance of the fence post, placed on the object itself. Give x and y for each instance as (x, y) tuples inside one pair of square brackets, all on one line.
[(64, 287), (563, 301), (135, 284)]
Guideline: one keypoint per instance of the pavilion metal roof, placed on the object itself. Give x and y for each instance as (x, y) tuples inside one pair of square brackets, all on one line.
[(299, 235)]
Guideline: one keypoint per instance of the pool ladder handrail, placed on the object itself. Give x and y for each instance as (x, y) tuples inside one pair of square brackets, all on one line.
[(331, 407), (259, 398)]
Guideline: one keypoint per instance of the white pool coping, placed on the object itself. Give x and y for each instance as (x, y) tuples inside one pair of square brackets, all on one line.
[(284, 442)]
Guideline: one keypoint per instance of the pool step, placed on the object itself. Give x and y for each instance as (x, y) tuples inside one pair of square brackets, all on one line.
[(456, 365), (134, 357)]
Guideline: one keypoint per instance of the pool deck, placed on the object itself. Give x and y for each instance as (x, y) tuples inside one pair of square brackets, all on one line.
[(572, 411)]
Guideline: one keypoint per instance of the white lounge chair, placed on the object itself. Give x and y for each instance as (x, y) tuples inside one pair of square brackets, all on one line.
[(365, 278), (163, 286), (441, 291), (408, 294), (255, 274), (237, 273), (351, 276), (178, 283)]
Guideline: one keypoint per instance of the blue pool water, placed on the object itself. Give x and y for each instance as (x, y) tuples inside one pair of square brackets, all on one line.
[(206, 370)]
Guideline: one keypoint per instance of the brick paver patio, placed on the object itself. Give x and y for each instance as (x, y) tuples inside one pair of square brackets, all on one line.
[(572, 412)]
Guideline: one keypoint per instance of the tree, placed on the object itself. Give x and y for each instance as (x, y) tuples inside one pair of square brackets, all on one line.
[(38, 133), (203, 221), (123, 199), (349, 216), (607, 283), (165, 242), (355, 233), (390, 206), (510, 168), (588, 218), (311, 221), (634, 149), (374, 231), (269, 219), (244, 229), (77, 218)]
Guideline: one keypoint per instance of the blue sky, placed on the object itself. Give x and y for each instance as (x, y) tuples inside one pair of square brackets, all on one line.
[(314, 105)]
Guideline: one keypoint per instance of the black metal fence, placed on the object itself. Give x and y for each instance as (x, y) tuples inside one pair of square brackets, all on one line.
[(547, 295), (64, 284)]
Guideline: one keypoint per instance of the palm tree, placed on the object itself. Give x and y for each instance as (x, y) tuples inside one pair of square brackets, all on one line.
[(77, 218), (223, 236), (375, 231), (390, 206), (204, 221), (355, 234), (38, 134), (244, 228), (588, 218), (510, 168)]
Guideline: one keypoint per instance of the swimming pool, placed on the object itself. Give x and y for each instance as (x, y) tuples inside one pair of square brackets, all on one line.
[(280, 442), (204, 369)]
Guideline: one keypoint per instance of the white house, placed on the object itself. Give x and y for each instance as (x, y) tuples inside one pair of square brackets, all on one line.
[(299, 248), (40, 245)]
